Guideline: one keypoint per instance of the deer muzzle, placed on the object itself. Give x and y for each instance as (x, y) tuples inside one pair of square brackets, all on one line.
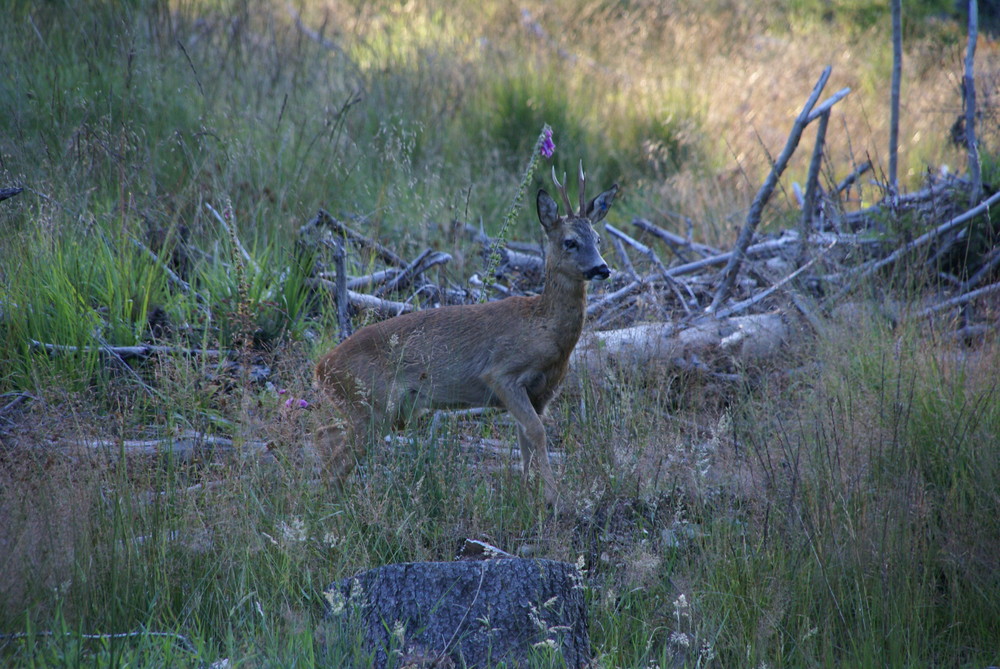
[(600, 272)]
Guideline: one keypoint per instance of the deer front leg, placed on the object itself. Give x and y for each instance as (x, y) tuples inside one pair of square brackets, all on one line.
[(530, 436)]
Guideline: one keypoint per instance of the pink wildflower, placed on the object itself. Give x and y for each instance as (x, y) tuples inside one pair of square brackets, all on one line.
[(548, 147)]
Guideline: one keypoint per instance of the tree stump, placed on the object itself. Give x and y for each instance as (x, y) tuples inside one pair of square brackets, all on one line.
[(466, 614)]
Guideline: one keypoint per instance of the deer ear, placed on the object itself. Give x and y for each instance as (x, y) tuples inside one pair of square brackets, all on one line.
[(548, 210), (599, 206)]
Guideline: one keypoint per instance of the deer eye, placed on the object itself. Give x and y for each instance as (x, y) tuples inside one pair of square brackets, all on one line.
[(569, 244)]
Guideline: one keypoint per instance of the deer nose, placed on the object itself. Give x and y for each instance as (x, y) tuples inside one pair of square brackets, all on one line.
[(599, 272)]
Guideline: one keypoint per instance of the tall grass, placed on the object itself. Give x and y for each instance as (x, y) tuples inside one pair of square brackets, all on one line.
[(851, 509)]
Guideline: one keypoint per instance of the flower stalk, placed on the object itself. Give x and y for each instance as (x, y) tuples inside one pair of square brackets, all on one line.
[(544, 148)]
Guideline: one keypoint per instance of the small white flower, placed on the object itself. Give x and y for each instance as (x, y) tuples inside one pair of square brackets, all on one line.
[(680, 639), (294, 532), (536, 620), (335, 600), (357, 590)]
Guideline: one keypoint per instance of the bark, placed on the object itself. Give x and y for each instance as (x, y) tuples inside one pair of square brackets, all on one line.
[(897, 71), (7, 193), (812, 185), (465, 614), (969, 94)]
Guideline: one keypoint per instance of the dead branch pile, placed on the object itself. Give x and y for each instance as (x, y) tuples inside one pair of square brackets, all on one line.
[(675, 304)]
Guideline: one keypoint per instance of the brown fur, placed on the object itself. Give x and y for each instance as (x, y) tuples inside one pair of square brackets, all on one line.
[(510, 354)]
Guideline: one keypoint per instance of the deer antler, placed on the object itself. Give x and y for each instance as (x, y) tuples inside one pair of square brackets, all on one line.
[(562, 191), (583, 189)]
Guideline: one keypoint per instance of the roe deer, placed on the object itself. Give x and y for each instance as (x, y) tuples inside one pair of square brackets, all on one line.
[(512, 353)]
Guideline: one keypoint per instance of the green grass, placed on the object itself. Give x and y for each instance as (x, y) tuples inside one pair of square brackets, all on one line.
[(842, 516)]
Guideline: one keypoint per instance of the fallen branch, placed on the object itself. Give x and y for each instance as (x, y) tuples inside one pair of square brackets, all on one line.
[(674, 241), (186, 445), (473, 549), (526, 260), (638, 246), (990, 262), (938, 191), (624, 259), (179, 638), (734, 309), (812, 185), (965, 298), (849, 180), (340, 287), (869, 268), (19, 399), (655, 260), (141, 351), (969, 101), (356, 238), (764, 194), (423, 262), (897, 75), (171, 275), (770, 246), (384, 308), (498, 448), (7, 193), (612, 298)]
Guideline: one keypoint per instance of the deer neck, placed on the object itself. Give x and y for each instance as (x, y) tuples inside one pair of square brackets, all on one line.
[(564, 302)]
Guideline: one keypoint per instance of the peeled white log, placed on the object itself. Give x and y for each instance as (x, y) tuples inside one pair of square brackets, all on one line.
[(652, 348)]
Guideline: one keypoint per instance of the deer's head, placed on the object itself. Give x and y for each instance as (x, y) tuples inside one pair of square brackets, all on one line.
[(573, 244)]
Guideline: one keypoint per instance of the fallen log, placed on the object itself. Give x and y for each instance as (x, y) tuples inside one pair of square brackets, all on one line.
[(656, 348), (188, 446)]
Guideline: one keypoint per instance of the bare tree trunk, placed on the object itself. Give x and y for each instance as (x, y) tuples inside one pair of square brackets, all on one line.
[(969, 93), (340, 293), (812, 185), (897, 74)]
